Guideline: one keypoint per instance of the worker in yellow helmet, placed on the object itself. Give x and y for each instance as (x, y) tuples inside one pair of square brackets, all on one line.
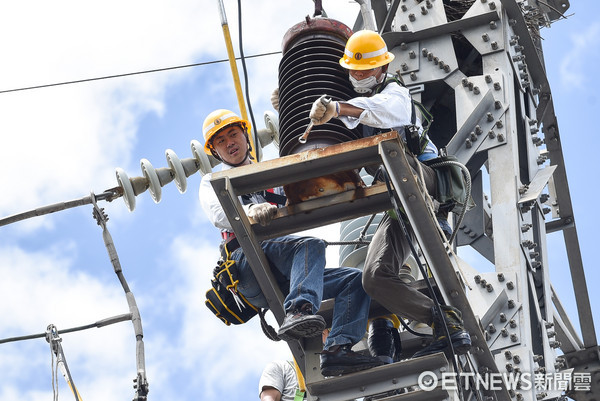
[(386, 105), (226, 120), (297, 262)]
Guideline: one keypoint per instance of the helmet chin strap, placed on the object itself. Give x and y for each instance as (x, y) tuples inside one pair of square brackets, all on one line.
[(248, 156)]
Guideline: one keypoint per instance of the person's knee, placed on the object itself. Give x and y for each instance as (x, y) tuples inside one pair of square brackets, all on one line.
[(315, 244), (369, 284)]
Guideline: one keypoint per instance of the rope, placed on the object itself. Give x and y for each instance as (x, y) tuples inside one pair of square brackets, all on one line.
[(358, 242), (467, 176), (266, 327), (243, 59), (423, 272), (361, 237)]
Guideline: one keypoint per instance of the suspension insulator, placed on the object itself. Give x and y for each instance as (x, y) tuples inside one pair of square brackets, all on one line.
[(309, 69)]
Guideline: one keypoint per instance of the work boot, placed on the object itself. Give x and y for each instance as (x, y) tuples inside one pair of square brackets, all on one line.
[(451, 318), (301, 323), (340, 359), (381, 340)]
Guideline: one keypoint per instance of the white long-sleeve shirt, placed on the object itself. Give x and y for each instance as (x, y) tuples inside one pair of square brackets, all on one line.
[(389, 109), (212, 207)]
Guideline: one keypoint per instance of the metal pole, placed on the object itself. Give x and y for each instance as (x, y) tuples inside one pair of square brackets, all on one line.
[(234, 72)]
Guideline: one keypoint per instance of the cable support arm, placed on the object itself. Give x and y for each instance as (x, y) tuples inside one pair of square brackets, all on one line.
[(98, 324), (109, 195)]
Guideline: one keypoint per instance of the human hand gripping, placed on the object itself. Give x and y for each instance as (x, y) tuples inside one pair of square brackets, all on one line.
[(275, 99), (323, 110), (262, 213)]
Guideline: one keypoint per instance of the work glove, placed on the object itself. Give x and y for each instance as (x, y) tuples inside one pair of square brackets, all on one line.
[(275, 99), (323, 110), (262, 213)]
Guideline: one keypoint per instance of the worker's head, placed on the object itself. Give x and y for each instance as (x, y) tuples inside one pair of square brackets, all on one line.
[(226, 137), (367, 58)]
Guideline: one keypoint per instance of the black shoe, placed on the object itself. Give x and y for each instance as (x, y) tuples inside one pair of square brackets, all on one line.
[(382, 341), (341, 360), (460, 338), (301, 323)]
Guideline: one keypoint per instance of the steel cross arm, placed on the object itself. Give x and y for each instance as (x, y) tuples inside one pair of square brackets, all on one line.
[(393, 39), (428, 237), (302, 166)]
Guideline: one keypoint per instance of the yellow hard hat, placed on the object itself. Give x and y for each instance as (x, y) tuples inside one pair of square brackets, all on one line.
[(216, 121), (365, 50)]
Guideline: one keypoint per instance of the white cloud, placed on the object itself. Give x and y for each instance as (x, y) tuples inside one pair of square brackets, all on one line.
[(584, 53), (44, 288)]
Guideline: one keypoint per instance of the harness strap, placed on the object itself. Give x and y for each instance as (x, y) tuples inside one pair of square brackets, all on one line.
[(416, 142)]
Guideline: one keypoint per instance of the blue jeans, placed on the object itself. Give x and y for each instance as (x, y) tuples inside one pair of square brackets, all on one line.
[(301, 260)]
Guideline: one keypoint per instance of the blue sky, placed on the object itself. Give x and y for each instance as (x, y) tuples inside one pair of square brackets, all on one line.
[(62, 142)]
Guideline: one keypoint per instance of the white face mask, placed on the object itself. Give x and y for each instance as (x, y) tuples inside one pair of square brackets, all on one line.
[(365, 85)]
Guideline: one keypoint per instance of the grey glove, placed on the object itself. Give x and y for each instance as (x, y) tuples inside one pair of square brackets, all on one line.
[(262, 213), (323, 110), (275, 99)]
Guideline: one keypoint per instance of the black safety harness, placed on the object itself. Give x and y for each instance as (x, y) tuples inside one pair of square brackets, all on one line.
[(415, 142)]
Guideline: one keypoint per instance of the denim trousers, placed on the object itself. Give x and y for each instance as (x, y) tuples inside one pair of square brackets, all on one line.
[(301, 260)]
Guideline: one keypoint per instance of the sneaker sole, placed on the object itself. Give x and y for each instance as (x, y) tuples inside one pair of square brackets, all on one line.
[(304, 329)]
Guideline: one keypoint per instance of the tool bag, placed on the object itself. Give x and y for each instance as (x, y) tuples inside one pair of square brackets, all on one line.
[(452, 192), (224, 300)]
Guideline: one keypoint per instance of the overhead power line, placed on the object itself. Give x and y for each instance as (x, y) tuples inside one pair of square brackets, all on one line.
[(131, 73)]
